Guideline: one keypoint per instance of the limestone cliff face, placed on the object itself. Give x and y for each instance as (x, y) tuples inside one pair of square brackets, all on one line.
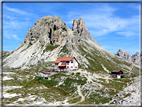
[(80, 27), (47, 29), (53, 30), (80, 32)]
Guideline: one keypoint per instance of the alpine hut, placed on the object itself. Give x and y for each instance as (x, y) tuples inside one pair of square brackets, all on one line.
[(66, 63), (117, 74), (43, 74)]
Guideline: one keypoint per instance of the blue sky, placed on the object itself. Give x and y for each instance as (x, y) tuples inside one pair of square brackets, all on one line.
[(113, 25)]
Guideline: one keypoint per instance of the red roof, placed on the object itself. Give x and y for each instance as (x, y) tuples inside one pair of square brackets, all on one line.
[(63, 59), (44, 72)]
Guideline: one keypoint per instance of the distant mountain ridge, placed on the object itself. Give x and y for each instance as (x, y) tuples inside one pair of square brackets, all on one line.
[(134, 58)]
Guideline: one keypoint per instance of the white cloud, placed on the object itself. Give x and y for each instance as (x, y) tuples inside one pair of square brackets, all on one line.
[(17, 10), (128, 34), (11, 19), (101, 20), (15, 37), (15, 24), (9, 35)]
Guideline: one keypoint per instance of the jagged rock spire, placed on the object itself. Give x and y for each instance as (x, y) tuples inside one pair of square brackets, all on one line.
[(74, 24), (80, 27)]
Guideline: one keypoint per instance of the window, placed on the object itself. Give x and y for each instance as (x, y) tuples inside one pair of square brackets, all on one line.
[(67, 61), (71, 61)]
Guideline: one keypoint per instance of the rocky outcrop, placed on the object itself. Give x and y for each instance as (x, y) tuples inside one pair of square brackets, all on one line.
[(134, 91), (124, 54), (136, 57), (79, 32), (47, 29), (80, 28), (74, 24), (53, 30)]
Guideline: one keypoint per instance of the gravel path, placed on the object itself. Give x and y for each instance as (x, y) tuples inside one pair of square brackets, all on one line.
[(80, 94)]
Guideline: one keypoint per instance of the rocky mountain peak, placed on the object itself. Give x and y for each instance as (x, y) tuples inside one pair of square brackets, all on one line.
[(52, 30), (80, 27), (136, 57), (47, 29), (124, 54)]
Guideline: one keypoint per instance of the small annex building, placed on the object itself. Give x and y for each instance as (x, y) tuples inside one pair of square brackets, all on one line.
[(66, 63), (117, 74), (43, 74)]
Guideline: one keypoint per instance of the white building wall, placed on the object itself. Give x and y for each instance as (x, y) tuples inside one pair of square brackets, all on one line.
[(73, 65), (42, 75), (76, 65), (118, 76)]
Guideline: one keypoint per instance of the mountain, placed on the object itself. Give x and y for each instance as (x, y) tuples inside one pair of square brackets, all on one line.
[(124, 54), (50, 39)]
